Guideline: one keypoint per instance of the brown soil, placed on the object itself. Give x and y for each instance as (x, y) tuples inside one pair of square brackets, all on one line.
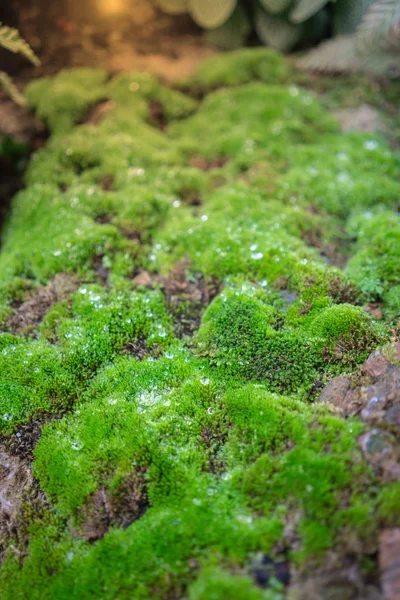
[(140, 350), (187, 295), (120, 508), (101, 271), (28, 315), (207, 164), (20, 496)]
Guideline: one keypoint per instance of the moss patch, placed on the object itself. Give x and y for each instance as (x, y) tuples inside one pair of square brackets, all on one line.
[(168, 395)]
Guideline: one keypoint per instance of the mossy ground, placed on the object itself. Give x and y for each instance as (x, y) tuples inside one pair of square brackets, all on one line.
[(170, 462)]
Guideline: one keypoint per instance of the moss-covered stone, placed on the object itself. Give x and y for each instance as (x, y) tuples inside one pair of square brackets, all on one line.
[(169, 465)]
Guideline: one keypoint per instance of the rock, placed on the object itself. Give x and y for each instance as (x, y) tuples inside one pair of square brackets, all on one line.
[(376, 364), (334, 582), (374, 310), (389, 563), (335, 392), (379, 449), (374, 392)]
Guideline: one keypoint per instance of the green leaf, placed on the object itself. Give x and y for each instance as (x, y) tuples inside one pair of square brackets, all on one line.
[(211, 14), (276, 32), (275, 7), (11, 89), (173, 7), (11, 40), (304, 9), (232, 34)]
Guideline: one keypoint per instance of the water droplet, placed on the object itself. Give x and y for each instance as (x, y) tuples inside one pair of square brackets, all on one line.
[(210, 410), (205, 381), (371, 145), (257, 256), (204, 217), (176, 203)]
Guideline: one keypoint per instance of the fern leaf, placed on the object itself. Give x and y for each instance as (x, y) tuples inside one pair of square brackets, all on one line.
[(11, 40), (11, 89), (334, 56), (380, 27)]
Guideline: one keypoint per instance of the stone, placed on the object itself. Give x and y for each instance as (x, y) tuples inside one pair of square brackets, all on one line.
[(389, 563)]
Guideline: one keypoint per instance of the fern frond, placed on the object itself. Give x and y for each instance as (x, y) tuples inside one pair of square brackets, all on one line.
[(380, 27), (334, 56), (11, 40), (11, 89)]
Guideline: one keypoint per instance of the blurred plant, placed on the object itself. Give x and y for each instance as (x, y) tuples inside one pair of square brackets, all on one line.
[(368, 39), (11, 40), (281, 24), (366, 32)]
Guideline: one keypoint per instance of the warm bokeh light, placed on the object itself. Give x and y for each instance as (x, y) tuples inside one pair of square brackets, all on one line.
[(112, 7)]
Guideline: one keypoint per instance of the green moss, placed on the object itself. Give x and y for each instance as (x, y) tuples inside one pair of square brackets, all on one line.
[(389, 504), (243, 336), (214, 584), (287, 116), (374, 266), (167, 472), (62, 100), (348, 333), (237, 68)]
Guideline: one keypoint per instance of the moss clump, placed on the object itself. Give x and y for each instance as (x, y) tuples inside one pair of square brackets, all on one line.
[(374, 266), (62, 100), (237, 68), (238, 335), (389, 504), (244, 336), (348, 333)]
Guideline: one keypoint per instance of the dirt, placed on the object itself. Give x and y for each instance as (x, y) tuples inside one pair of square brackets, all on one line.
[(361, 118), (101, 271), (28, 315), (187, 295), (207, 164), (118, 508), (20, 495), (214, 440), (140, 350), (97, 112), (157, 115)]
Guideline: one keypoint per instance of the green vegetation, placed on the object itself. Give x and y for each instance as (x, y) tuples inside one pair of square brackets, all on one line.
[(170, 462)]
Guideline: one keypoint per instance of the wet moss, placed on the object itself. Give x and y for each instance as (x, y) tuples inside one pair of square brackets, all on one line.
[(169, 470)]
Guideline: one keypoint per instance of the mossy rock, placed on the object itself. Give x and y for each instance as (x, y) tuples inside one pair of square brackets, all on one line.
[(170, 466)]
